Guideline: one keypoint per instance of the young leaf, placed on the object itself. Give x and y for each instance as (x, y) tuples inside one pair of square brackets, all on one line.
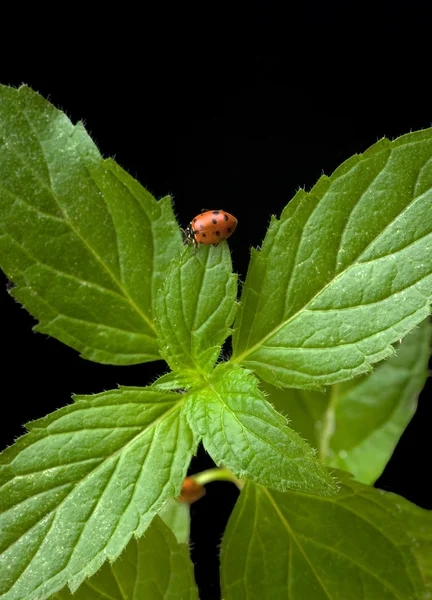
[(356, 424), (82, 481), (345, 272), (176, 515), (154, 567), (350, 546), (240, 429), (195, 308), (176, 381), (85, 244)]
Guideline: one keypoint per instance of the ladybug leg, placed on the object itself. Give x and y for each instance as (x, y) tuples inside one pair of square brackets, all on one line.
[(189, 237), (192, 241), (186, 236)]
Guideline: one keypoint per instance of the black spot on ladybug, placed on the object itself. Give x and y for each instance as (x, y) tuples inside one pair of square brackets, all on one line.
[(201, 226), (215, 212), (214, 221), (217, 232), (194, 220), (203, 234), (229, 229), (194, 232), (226, 218)]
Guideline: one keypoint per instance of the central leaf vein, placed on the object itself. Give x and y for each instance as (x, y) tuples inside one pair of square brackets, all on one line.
[(105, 461), (296, 541), (67, 219), (241, 357)]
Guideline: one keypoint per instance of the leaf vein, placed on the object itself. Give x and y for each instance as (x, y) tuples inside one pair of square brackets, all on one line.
[(30, 206), (348, 219), (296, 541), (256, 346), (77, 232), (154, 423)]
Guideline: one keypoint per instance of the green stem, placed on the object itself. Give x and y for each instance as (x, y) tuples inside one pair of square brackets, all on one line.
[(329, 423), (217, 474)]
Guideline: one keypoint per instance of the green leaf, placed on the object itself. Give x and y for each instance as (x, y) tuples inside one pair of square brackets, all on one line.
[(175, 381), (350, 546), (356, 424), (240, 429), (304, 409), (345, 272), (85, 244), (195, 308), (82, 481), (176, 515), (154, 567), (420, 533)]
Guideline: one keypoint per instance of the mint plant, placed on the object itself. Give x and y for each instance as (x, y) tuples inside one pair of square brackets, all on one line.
[(331, 340)]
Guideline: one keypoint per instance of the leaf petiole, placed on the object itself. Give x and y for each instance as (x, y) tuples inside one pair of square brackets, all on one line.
[(218, 474), (329, 423)]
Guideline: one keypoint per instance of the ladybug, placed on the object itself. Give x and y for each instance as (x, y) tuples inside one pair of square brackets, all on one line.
[(211, 227)]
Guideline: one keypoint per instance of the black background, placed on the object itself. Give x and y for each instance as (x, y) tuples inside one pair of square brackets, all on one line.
[(223, 108)]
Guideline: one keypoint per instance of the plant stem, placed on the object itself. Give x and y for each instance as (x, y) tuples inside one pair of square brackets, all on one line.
[(329, 423), (217, 474)]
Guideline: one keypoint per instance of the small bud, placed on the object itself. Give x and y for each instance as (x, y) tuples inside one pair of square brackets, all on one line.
[(191, 491)]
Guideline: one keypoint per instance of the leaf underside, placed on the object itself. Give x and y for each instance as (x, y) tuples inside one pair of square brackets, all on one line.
[(350, 546), (154, 567), (176, 515)]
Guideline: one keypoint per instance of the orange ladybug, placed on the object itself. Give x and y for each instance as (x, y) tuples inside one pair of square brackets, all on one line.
[(211, 227)]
